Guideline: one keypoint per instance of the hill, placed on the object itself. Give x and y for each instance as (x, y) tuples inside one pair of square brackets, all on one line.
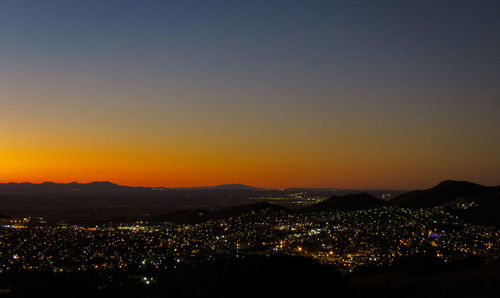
[(446, 192)]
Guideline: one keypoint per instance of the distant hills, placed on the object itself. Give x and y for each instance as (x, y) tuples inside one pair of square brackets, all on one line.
[(92, 188), (103, 187), (105, 201), (335, 203), (448, 192), (106, 187)]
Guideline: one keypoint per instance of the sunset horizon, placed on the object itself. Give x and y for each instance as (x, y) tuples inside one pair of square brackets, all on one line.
[(304, 94), (276, 187)]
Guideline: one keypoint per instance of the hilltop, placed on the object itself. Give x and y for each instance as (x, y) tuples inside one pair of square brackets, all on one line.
[(446, 192)]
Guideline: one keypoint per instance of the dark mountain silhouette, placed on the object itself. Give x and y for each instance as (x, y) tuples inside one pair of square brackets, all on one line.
[(82, 202), (103, 187), (446, 192), (103, 201), (346, 203), (51, 188), (106, 201)]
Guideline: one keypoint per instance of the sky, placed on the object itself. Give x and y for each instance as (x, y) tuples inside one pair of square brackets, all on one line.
[(348, 94)]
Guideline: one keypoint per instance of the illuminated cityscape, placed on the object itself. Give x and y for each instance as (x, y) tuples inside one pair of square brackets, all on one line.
[(347, 240)]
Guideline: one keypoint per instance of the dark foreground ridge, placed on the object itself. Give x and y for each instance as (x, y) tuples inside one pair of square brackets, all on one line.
[(256, 276)]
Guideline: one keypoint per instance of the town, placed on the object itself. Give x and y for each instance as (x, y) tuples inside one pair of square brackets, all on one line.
[(346, 240)]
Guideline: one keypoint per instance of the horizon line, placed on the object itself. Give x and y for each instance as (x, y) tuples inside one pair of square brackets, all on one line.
[(218, 185), (201, 186)]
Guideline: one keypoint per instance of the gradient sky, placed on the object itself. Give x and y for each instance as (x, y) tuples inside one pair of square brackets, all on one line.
[(351, 94)]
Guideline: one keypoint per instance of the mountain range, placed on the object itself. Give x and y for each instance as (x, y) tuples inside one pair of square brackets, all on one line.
[(82, 201), (103, 187)]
